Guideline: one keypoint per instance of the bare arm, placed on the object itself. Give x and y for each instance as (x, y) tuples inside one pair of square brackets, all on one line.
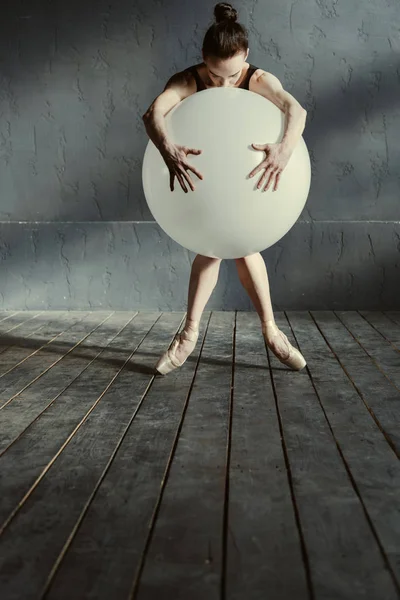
[(177, 88), (154, 123)]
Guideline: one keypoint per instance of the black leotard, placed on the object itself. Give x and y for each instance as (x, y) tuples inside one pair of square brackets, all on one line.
[(200, 85)]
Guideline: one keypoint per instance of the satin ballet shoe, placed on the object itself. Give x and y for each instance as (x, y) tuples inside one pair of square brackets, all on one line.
[(168, 361), (295, 360)]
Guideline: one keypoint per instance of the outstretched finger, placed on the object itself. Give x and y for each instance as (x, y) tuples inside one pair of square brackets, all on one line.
[(190, 182), (277, 181), (258, 169), (264, 175), (272, 174), (181, 181), (194, 170)]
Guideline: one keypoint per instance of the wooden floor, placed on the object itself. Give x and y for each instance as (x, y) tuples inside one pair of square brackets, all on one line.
[(230, 478)]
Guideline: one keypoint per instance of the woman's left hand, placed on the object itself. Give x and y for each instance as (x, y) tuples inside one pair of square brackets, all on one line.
[(276, 160)]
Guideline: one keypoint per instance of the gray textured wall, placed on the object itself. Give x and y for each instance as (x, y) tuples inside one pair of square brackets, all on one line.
[(75, 228)]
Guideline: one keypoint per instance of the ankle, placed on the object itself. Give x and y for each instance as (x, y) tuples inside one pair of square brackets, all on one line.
[(191, 325), (269, 323)]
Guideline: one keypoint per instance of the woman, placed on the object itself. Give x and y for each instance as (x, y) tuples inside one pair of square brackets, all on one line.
[(225, 50)]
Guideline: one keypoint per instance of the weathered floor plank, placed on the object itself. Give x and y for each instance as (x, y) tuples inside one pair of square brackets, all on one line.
[(24, 338), (7, 314), (332, 518), (29, 358), (76, 349), (50, 511), (263, 539), (191, 514), (377, 391), (393, 315), (127, 498), (35, 451), (11, 324), (385, 356), (370, 461), (388, 328), (233, 477)]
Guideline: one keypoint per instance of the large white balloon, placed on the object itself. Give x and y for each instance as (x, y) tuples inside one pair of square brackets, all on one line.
[(226, 216)]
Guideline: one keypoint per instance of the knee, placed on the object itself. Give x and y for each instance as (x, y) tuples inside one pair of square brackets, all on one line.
[(244, 258), (208, 258)]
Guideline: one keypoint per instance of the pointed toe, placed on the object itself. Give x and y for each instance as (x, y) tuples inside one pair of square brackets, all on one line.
[(295, 360), (168, 361)]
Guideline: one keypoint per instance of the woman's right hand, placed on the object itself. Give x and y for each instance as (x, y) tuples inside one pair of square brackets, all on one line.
[(175, 159)]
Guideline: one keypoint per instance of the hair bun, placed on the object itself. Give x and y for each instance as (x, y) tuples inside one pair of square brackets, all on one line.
[(225, 12)]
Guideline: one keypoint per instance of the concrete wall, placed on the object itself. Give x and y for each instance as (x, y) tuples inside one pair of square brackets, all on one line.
[(76, 77)]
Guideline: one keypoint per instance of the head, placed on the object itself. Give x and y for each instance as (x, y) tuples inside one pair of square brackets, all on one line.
[(225, 46)]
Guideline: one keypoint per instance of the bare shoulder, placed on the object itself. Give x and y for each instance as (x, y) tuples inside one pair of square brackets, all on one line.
[(178, 87), (183, 83), (262, 78), (257, 73)]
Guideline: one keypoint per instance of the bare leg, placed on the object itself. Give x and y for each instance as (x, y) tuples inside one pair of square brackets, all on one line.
[(254, 278), (203, 279)]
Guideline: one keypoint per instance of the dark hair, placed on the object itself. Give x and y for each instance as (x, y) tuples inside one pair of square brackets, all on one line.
[(225, 37)]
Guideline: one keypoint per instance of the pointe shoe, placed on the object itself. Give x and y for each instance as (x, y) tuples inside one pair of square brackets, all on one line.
[(295, 360), (168, 361)]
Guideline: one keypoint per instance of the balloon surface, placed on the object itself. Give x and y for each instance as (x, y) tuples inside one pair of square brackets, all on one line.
[(226, 216)]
